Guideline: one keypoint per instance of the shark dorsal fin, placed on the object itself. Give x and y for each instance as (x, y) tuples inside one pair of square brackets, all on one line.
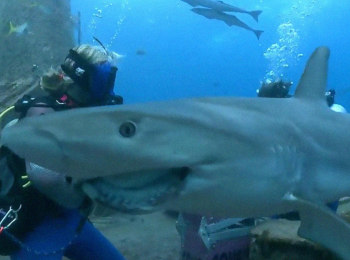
[(313, 82), (221, 2)]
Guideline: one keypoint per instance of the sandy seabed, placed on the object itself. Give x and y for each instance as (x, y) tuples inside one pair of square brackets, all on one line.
[(154, 237)]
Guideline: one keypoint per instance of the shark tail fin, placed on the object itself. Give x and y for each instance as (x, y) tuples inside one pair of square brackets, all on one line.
[(11, 30), (258, 33), (313, 82), (255, 14)]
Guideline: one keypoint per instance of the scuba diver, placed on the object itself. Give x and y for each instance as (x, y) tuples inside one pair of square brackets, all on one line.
[(330, 102), (276, 89), (280, 89), (42, 214)]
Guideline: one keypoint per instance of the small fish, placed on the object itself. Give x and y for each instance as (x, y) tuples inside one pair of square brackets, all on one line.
[(17, 29), (140, 52), (34, 67), (229, 19), (216, 84)]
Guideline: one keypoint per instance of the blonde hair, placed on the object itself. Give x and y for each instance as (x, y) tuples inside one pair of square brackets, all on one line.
[(53, 81), (92, 54)]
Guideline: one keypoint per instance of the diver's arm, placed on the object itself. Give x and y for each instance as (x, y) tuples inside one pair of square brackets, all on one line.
[(55, 186)]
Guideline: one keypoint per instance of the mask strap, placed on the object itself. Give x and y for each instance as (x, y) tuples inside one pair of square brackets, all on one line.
[(80, 70), (111, 79)]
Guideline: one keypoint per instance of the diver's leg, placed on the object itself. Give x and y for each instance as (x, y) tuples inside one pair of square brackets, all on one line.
[(91, 245), (30, 255), (48, 240)]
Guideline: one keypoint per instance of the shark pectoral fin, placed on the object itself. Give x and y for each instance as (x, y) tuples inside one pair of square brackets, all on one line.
[(321, 225)]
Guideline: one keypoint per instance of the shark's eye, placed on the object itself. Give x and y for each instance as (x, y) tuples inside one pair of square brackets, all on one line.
[(127, 129)]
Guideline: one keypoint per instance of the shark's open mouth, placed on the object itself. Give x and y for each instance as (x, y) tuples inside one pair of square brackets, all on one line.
[(138, 192)]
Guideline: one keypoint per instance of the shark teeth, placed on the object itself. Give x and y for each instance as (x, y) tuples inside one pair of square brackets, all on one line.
[(140, 195)]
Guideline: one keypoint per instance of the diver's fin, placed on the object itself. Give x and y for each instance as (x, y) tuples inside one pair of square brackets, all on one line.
[(321, 225), (313, 82)]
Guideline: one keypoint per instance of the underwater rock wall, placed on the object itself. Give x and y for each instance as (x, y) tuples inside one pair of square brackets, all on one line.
[(34, 35), (44, 38)]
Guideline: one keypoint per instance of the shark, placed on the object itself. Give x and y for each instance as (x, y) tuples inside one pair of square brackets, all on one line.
[(217, 156), (222, 7), (229, 19)]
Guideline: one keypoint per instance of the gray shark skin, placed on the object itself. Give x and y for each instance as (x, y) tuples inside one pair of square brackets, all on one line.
[(229, 19), (222, 7), (222, 156)]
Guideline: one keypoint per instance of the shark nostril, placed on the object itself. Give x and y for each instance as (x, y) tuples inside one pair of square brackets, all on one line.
[(127, 129), (182, 172)]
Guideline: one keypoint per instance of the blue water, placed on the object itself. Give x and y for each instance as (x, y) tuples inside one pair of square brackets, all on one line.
[(188, 55)]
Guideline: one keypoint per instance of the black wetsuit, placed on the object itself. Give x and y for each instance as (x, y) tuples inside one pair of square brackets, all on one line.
[(34, 205)]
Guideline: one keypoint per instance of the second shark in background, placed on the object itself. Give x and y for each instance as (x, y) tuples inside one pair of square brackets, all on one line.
[(216, 9)]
